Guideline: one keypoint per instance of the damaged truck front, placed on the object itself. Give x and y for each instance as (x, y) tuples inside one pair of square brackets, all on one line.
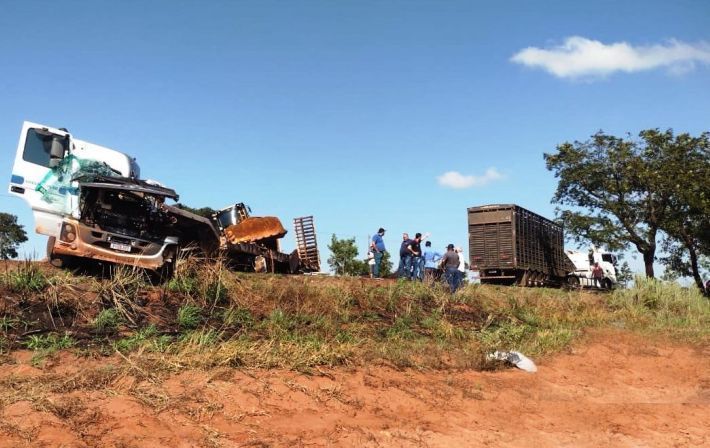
[(90, 203)]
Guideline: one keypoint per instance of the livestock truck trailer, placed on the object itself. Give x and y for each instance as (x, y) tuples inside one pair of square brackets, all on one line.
[(511, 245)]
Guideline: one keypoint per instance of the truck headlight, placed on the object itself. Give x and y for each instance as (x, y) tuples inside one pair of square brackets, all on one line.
[(68, 233)]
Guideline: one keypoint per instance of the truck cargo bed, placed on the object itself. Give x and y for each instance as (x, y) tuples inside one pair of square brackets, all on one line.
[(509, 244)]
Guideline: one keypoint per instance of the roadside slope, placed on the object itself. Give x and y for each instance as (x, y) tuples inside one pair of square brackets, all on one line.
[(615, 388)]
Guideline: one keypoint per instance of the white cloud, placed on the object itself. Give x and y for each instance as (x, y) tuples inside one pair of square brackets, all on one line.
[(581, 57), (454, 179)]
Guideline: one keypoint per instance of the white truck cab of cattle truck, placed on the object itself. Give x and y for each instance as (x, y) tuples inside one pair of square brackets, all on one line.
[(584, 263), (45, 162)]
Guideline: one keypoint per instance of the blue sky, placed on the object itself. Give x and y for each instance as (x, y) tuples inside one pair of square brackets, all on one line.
[(350, 111)]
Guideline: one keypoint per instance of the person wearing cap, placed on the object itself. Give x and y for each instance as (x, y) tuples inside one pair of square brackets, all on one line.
[(450, 263), (377, 246)]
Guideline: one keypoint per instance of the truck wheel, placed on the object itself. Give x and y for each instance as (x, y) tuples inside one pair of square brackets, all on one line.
[(57, 262), (607, 284), (573, 281)]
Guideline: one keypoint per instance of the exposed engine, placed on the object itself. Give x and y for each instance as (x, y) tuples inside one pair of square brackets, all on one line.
[(129, 213)]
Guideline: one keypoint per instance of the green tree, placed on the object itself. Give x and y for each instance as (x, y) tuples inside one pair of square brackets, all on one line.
[(625, 274), (620, 188), (11, 235), (205, 212), (343, 257), (684, 164)]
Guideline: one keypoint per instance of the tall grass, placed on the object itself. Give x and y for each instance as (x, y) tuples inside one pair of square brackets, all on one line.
[(208, 316), (120, 291), (666, 307), (26, 277)]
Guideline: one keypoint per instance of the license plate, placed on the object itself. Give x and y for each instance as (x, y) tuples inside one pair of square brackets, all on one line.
[(121, 247)]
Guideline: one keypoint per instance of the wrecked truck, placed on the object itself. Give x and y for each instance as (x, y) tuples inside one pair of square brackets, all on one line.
[(91, 203)]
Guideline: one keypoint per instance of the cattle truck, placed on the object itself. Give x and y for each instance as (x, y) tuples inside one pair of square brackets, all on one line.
[(511, 245)]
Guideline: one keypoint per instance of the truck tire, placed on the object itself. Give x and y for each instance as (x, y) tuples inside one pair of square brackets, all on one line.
[(55, 261), (607, 284), (573, 281)]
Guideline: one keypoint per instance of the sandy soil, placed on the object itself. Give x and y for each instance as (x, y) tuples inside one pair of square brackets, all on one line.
[(614, 389)]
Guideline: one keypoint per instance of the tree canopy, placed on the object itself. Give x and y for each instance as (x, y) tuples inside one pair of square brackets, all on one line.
[(629, 191), (343, 259), (11, 235)]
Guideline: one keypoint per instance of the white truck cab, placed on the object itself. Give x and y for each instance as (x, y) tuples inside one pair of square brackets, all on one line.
[(46, 161), (584, 263), (89, 201)]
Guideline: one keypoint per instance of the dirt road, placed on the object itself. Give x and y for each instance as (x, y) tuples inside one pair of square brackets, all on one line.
[(613, 389)]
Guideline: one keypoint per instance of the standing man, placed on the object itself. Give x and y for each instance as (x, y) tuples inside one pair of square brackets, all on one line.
[(403, 256), (378, 248), (431, 257), (450, 263), (597, 275), (415, 250)]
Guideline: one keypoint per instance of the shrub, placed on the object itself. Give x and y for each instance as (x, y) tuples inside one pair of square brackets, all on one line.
[(189, 317), (107, 321)]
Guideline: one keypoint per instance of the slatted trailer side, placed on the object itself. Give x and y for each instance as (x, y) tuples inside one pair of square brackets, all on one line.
[(509, 244)]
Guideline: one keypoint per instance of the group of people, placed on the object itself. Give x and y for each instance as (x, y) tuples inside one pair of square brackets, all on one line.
[(417, 263)]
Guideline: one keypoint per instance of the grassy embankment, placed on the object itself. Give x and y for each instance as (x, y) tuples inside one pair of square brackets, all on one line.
[(209, 317)]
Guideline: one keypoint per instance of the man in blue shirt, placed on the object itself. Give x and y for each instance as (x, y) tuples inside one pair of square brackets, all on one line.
[(378, 248), (431, 260)]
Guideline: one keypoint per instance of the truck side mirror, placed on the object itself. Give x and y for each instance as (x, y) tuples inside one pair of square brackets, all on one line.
[(57, 150)]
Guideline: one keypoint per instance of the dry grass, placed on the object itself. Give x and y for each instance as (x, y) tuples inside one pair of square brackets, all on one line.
[(207, 316)]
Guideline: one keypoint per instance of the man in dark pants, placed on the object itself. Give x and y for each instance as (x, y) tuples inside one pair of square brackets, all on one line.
[(415, 250), (378, 248), (403, 257), (598, 275), (450, 264), (431, 259)]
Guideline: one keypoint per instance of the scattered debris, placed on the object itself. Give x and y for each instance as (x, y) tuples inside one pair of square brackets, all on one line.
[(516, 358)]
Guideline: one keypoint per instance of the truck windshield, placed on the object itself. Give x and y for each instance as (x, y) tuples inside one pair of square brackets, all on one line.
[(38, 145), (609, 258)]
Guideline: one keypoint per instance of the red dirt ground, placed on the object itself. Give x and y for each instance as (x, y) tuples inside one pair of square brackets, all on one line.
[(613, 389)]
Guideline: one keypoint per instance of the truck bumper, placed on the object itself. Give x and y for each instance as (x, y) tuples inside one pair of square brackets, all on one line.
[(79, 240)]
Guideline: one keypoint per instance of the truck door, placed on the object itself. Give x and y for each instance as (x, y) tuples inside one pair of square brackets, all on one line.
[(41, 175)]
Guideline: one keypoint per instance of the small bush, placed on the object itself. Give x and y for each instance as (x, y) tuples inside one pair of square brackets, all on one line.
[(401, 328), (136, 340), (238, 317), (50, 343), (183, 284), (107, 321), (8, 323), (189, 317), (201, 338)]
